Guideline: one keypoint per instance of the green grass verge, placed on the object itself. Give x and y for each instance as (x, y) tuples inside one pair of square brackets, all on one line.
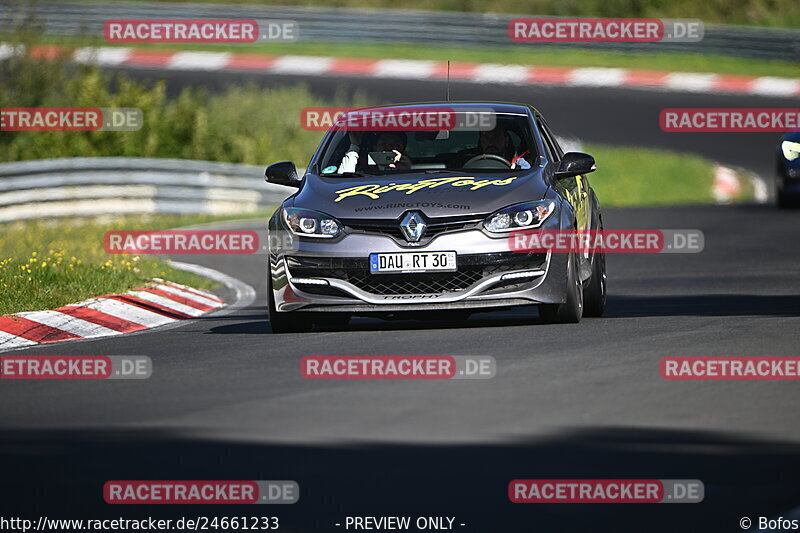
[(517, 54), (46, 264), (647, 177)]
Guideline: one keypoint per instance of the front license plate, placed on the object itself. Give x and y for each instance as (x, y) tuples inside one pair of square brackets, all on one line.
[(412, 262)]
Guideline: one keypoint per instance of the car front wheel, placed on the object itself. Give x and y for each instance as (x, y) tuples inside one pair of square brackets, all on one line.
[(784, 201), (594, 294), (571, 311)]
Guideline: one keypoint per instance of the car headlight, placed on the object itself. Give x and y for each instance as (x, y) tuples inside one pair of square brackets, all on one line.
[(308, 223), (520, 216), (791, 150)]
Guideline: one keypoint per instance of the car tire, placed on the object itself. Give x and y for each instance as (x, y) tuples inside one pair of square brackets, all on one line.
[(296, 322), (571, 311), (784, 200), (594, 293)]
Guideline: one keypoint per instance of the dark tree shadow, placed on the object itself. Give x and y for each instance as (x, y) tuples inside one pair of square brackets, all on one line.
[(61, 474)]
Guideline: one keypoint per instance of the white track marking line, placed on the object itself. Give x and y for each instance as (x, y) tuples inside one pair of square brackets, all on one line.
[(597, 77), (726, 184), (404, 68), (496, 73), (769, 86), (8, 50), (166, 302), (70, 324), (198, 61), (105, 56), (7, 340), (188, 295), (691, 82), (207, 294), (302, 65), (129, 312)]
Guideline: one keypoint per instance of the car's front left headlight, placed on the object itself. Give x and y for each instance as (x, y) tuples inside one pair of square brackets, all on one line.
[(308, 223), (791, 150), (520, 216)]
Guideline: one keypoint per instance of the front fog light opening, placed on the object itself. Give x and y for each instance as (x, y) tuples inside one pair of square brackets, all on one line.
[(522, 275), (309, 281)]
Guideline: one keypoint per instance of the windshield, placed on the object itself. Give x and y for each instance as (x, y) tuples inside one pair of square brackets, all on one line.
[(507, 146)]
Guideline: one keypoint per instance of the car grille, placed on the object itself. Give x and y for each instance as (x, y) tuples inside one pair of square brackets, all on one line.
[(472, 269), (391, 228)]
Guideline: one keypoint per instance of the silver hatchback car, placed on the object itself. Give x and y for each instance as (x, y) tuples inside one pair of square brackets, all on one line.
[(397, 220)]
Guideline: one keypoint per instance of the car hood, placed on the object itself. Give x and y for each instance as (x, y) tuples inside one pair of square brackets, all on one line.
[(435, 195)]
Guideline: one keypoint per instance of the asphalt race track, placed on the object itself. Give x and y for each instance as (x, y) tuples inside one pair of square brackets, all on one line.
[(226, 399)]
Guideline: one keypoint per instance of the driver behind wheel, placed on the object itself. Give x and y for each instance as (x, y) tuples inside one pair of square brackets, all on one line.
[(498, 142)]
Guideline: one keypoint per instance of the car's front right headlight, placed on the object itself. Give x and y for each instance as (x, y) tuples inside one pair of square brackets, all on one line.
[(791, 150), (309, 223)]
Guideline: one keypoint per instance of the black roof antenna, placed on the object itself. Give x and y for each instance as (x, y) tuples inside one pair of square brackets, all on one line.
[(448, 80)]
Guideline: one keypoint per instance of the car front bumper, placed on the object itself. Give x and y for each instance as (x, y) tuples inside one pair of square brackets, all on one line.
[(335, 277)]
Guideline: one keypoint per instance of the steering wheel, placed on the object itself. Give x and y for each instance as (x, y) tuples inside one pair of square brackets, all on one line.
[(487, 161)]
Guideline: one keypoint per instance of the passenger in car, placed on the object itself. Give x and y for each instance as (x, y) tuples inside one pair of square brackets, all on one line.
[(387, 141)]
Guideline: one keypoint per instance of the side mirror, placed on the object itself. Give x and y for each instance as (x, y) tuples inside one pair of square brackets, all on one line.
[(283, 173), (575, 164)]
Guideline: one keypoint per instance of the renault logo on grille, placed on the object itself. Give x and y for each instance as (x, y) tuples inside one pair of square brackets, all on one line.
[(413, 226)]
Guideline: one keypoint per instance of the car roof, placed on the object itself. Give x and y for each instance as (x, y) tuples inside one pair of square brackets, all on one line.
[(497, 107)]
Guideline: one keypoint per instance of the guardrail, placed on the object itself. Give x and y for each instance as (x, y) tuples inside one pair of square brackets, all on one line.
[(393, 25), (119, 185)]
